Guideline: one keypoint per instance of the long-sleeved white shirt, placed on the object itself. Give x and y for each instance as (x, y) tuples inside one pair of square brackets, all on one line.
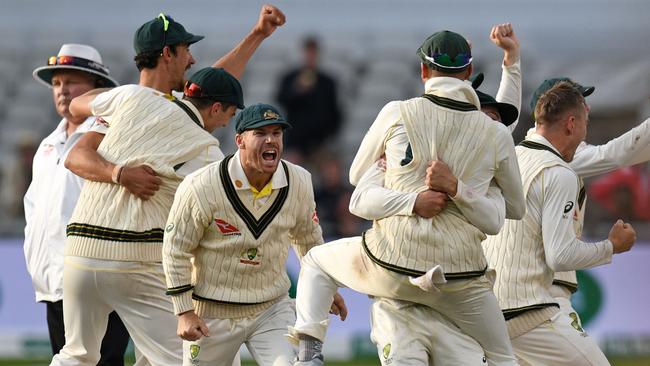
[(552, 198), (49, 203)]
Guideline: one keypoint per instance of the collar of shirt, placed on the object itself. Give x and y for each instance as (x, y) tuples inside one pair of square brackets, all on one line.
[(240, 181), (59, 133), (194, 109), (452, 88), (542, 140)]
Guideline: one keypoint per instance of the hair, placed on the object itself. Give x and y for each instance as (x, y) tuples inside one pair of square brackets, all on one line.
[(205, 102), (554, 103), (149, 59), (310, 42)]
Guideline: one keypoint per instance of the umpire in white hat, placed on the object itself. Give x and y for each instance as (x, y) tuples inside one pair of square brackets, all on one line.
[(53, 192)]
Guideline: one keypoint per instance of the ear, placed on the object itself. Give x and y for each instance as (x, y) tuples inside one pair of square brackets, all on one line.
[(469, 71), (166, 53), (425, 73), (239, 141), (215, 108), (570, 125)]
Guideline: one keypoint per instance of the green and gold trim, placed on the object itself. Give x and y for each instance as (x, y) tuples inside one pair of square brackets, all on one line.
[(104, 233), (450, 103), (178, 290), (416, 273), (515, 312), (256, 227)]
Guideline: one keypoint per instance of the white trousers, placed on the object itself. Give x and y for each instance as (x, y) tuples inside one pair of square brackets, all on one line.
[(140, 301), (470, 304), (558, 342), (409, 334), (263, 336)]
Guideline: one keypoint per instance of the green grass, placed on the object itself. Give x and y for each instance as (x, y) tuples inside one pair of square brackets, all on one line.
[(359, 362)]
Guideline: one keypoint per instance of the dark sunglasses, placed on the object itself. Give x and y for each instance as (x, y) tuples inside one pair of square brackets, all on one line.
[(77, 61)]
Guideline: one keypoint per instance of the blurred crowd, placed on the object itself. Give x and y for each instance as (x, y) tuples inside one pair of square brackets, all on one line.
[(311, 98)]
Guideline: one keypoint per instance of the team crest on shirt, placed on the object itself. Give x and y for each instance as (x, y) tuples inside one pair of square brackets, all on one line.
[(386, 353), (248, 257), (576, 324), (194, 352), (226, 228)]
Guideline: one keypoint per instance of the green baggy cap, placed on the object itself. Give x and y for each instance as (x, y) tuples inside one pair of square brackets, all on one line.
[(259, 115), (549, 83), (160, 32), (216, 83), (446, 51)]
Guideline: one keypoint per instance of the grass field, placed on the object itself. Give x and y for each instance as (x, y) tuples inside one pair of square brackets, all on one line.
[(359, 362)]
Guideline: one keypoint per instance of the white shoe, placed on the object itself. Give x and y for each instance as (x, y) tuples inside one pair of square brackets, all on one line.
[(316, 361)]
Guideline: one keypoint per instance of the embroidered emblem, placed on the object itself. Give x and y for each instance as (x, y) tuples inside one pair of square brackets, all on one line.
[(269, 114), (226, 228), (194, 351), (238, 183), (248, 257), (576, 322), (386, 351)]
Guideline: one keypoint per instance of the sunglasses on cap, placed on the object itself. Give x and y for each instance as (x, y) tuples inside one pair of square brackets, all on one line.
[(444, 60), (76, 61), (194, 90)]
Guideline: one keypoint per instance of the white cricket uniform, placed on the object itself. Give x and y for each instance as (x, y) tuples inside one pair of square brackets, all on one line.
[(113, 251), (526, 253), (239, 242), (370, 200), (488, 154)]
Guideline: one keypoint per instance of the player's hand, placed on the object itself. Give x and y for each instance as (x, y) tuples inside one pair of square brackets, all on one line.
[(141, 181), (440, 178), (191, 327), (622, 236), (429, 203), (270, 19), (338, 307), (504, 37)]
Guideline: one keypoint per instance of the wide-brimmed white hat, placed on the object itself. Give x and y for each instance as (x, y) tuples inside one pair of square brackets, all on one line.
[(74, 57)]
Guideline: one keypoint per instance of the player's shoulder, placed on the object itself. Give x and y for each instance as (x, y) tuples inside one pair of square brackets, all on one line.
[(204, 176), (560, 175), (295, 169)]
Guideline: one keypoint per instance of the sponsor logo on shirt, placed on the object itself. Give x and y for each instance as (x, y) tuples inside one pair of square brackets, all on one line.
[(567, 208), (314, 217), (226, 228)]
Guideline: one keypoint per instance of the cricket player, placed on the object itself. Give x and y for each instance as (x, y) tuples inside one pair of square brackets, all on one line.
[(632, 147), (116, 231), (546, 238), (437, 261), (235, 218)]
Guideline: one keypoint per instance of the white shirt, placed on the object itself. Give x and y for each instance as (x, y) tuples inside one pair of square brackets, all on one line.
[(49, 203), (552, 199)]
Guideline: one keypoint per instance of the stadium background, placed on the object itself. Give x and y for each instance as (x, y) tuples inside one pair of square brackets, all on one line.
[(370, 47)]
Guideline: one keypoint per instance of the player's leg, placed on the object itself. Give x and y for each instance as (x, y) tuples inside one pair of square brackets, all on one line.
[(114, 343), (555, 342), (412, 334), (221, 348), (85, 314), (267, 343), (396, 332), (472, 306), (55, 325), (140, 301)]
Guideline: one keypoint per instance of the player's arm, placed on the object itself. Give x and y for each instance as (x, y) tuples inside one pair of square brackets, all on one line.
[(630, 148), (563, 250), (507, 176), (486, 212), (235, 61), (184, 231), (373, 143), (504, 37), (372, 201)]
